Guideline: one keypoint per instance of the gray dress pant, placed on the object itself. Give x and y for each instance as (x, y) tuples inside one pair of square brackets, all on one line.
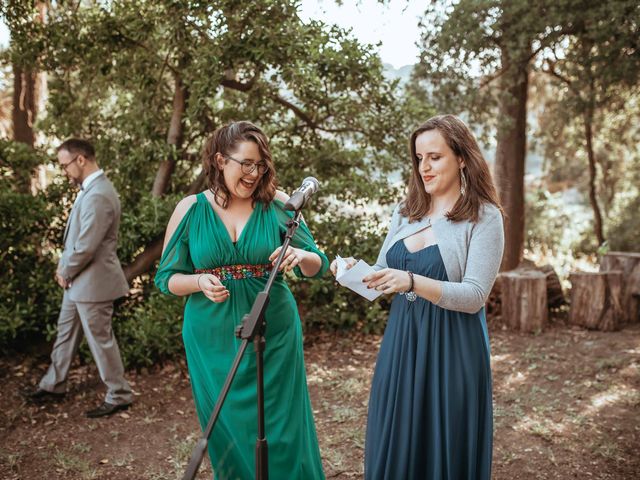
[(94, 319)]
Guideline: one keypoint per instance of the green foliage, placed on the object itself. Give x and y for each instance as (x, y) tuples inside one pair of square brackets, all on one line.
[(142, 224), (324, 304), (547, 217), (27, 286), (471, 50), (592, 78), (470, 47), (148, 328), (114, 72), (615, 140), (585, 65), (624, 228)]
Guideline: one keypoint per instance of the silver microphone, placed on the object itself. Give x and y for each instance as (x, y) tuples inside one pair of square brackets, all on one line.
[(301, 196)]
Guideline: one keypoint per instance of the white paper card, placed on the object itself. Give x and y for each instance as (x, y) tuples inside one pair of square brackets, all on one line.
[(352, 278)]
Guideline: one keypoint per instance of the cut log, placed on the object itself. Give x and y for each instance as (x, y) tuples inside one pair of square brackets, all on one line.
[(596, 300), (555, 295), (524, 300), (493, 307), (629, 264)]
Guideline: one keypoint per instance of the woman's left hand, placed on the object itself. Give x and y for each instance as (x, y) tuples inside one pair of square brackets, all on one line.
[(388, 280), (292, 258)]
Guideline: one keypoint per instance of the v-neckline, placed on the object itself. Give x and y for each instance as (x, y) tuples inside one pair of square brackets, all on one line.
[(224, 226)]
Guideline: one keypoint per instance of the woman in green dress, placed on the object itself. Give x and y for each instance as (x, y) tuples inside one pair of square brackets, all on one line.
[(219, 248)]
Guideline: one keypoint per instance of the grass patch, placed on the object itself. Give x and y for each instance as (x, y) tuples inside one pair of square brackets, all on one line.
[(69, 463)]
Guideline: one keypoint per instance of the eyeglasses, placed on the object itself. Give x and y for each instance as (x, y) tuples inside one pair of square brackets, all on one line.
[(249, 167), (65, 165)]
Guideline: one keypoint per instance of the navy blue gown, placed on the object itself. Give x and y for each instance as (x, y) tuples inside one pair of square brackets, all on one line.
[(430, 410)]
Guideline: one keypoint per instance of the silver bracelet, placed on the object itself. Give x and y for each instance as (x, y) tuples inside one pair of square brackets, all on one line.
[(410, 294)]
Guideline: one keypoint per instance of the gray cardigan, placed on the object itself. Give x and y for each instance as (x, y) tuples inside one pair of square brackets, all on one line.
[(471, 252)]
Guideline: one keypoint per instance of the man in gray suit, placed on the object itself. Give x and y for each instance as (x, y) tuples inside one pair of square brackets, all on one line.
[(92, 278)]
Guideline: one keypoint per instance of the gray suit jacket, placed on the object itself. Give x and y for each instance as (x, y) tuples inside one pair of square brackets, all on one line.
[(89, 260)]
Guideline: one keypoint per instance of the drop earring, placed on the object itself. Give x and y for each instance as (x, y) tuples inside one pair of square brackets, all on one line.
[(463, 182)]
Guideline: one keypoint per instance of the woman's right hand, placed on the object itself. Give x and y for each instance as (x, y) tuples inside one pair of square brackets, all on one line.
[(212, 288), (334, 265)]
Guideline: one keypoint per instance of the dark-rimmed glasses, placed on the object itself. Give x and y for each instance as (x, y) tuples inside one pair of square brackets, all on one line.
[(249, 167), (65, 165)]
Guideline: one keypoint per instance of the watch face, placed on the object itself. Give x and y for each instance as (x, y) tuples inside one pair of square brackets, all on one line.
[(411, 296)]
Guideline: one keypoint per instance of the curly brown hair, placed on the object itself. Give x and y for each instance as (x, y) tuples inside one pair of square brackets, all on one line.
[(223, 141), (480, 187)]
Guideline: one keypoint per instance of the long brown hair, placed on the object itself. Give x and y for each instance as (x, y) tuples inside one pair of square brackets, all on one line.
[(480, 187), (223, 141)]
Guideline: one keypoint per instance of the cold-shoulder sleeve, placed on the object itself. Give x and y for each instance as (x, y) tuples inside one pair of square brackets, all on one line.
[(176, 257), (302, 238)]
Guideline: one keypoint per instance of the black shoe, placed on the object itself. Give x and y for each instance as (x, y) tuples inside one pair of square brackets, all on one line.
[(106, 409), (40, 395)]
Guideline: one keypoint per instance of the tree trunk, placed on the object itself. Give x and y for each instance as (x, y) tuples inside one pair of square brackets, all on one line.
[(593, 197), (145, 260), (25, 93), (596, 300), (510, 156), (24, 104), (23, 115), (524, 300), (174, 139), (629, 264)]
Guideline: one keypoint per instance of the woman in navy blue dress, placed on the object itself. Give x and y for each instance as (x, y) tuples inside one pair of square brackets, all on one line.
[(430, 409)]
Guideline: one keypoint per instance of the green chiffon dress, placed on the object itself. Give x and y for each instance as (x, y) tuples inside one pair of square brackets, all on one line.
[(201, 241)]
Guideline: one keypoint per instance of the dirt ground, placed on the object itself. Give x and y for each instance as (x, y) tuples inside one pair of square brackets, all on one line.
[(566, 405)]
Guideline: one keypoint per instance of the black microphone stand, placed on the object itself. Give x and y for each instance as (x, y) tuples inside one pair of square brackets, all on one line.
[(252, 329)]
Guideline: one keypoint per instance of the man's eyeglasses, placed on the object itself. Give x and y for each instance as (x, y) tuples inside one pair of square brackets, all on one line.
[(65, 165), (248, 167)]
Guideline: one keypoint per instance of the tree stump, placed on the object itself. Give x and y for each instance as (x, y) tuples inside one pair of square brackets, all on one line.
[(629, 264), (555, 295), (596, 300), (493, 307), (524, 300)]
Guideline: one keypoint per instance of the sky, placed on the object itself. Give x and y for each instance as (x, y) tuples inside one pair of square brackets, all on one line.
[(395, 25), (4, 35)]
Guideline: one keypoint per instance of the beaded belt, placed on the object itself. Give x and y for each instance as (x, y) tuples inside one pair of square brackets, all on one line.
[(238, 272)]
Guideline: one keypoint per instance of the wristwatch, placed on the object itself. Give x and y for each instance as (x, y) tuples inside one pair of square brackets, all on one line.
[(410, 294)]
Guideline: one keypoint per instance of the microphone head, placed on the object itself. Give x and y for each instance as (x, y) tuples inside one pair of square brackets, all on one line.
[(300, 197), (314, 183)]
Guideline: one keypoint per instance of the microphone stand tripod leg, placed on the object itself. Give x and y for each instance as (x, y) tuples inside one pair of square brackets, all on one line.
[(262, 469)]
